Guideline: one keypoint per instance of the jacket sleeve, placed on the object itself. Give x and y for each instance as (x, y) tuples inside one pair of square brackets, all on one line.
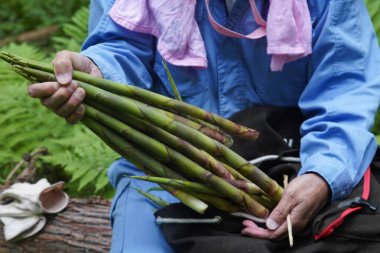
[(121, 55), (342, 96)]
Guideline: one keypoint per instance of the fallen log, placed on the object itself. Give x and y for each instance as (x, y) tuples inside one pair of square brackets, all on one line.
[(84, 226), (39, 34)]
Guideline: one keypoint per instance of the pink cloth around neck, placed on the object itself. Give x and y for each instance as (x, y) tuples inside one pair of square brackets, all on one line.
[(171, 21), (289, 32), (288, 29)]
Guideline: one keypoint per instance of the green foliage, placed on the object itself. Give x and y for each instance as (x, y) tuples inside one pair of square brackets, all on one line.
[(26, 125), (19, 16), (74, 152), (74, 32), (12, 122), (374, 12)]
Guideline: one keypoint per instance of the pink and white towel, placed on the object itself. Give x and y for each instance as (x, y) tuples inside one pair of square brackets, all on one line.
[(288, 29)]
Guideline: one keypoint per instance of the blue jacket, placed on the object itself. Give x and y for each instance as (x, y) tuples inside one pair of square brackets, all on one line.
[(337, 87)]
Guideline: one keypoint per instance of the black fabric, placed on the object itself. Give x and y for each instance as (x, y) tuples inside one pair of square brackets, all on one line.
[(275, 124), (364, 224), (360, 231), (226, 237)]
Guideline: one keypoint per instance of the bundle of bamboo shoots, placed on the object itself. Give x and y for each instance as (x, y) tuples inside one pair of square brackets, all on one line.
[(179, 146)]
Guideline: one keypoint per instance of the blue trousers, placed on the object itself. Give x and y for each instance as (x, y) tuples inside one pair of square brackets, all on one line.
[(134, 229)]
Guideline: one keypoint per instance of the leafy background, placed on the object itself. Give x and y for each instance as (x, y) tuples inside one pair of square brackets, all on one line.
[(18, 16), (75, 154)]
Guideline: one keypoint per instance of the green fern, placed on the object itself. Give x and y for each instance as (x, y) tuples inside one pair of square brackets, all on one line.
[(74, 32), (26, 125), (374, 12)]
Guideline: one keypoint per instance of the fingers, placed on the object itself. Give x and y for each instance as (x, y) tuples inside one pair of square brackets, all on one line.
[(40, 90), (281, 211), (251, 229), (276, 224), (62, 95), (302, 199), (76, 115), (63, 70), (65, 62), (71, 104), (64, 101)]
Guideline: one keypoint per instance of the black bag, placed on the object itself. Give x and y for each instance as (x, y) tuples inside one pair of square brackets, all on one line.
[(351, 225)]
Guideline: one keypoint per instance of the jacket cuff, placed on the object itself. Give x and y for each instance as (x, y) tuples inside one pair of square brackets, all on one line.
[(333, 172), (107, 71)]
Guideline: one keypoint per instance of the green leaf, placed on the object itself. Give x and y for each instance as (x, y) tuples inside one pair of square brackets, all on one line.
[(25, 124), (88, 178)]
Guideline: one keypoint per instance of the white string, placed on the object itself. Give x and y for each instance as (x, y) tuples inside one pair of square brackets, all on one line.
[(160, 220), (248, 216), (274, 157)]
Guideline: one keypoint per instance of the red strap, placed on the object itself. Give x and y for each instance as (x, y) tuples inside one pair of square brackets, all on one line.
[(336, 223)]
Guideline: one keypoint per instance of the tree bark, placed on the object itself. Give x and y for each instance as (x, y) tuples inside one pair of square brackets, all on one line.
[(84, 226)]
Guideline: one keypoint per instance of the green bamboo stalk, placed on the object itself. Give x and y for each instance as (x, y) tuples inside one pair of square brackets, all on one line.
[(236, 174), (191, 187), (157, 200), (140, 159), (172, 83), (199, 156), (214, 134), (143, 161), (211, 126), (217, 202), (198, 139), (194, 137), (187, 167), (186, 198), (265, 201), (24, 75), (229, 140), (180, 184), (156, 188), (143, 95), (209, 131), (247, 187), (203, 157), (204, 193)]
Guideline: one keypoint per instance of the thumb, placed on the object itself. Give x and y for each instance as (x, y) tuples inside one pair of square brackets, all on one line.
[(65, 62), (279, 214)]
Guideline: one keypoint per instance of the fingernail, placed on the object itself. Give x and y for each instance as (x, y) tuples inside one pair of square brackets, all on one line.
[(31, 91), (271, 224), (80, 109), (79, 94), (64, 78)]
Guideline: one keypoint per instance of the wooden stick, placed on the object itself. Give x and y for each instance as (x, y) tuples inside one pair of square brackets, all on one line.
[(29, 160), (289, 221)]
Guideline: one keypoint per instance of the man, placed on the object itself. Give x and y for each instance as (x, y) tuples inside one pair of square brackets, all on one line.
[(337, 88)]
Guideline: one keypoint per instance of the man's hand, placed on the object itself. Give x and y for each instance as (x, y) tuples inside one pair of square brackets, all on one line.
[(65, 97), (302, 199)]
